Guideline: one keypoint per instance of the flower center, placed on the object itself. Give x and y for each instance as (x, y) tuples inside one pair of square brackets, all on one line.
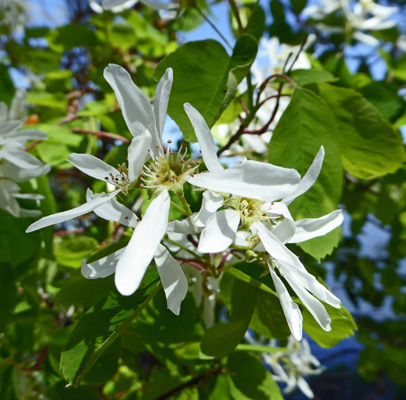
[(169, 170), (120, 181)]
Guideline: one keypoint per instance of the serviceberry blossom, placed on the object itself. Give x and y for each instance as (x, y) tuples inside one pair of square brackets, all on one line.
[(252, 219), (294, 365), (362, 17), (16, 164), (151, 167)]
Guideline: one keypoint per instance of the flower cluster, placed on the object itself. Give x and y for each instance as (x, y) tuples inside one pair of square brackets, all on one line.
[(361, 18), (244, 208), (16, 164), (292, 366)]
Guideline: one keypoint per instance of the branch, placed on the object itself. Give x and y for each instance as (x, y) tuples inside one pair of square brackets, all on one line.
[(102, 135)]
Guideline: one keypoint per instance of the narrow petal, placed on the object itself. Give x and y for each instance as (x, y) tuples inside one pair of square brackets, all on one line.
[(102, 268), (8, 191), (159, 5), (23, 136), (93, 166), (20, 158), (137, 153), (185, 226), (136, 109), (304, 387), (205, 138), (75, 212), (29, 196), (112, 210), (161, 100), (290, 308), (314, 306), (310, 228), (275, 247), (172, 277), (211, 202), (13, 172), (219, 232), (143, 245), (252, 179), (309, 178)]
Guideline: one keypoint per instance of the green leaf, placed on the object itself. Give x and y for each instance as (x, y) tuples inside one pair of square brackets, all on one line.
[(268, 318), (70, 250), (8, 294), (342, 326), (52, 100), (102, 325), (307, 124), (18, 247), (207, 77), (6, 85), (220, 340), (251, 380), (59, 134), (79, 291), (304, 76), (69, 36), (369, 145)]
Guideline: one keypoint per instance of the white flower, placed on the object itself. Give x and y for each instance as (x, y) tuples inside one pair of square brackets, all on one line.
[(130, 263), (292, 366), (166, 172), (16, 165), (116, 6), (361, 16), (143, 122), (255, 187)]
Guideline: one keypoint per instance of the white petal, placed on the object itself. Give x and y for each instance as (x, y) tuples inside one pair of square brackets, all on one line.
[(211, 202), (102, 268), (310, 228), (118, 5), (285, 229), (311, 303), (10, 127), (112, 210), (24, 213), (8, 191), (17, 174), (29, 196), (309, 178), (290, 308), (185, 226), (274, 246), (219, 232), (136, 109), (252, 179), (172, 277), (304, 387), (143, 245), (205, 139), (20, 158), (23, 136), (75, 212), (158, 5), (95, 6), (137, 153), (161, 100), (93, 166)]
